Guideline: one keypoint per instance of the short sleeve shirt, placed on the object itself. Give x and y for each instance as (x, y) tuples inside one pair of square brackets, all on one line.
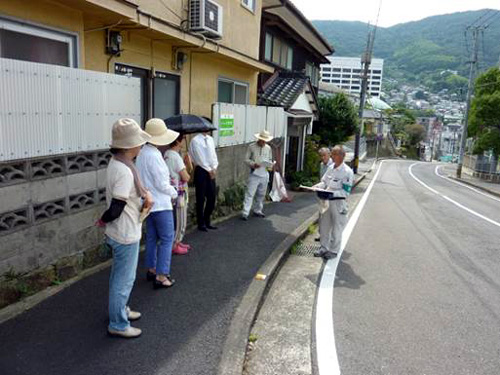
[(175, 166), (126, 229)]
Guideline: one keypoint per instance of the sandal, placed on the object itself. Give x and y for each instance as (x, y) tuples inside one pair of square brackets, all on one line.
[(161, 284)]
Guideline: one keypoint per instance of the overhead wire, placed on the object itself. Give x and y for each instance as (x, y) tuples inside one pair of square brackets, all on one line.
[(481, 17), (487, 21)]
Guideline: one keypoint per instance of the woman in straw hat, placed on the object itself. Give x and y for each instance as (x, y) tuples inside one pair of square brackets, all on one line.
[(160, 223), (259, 158), (126, 198)]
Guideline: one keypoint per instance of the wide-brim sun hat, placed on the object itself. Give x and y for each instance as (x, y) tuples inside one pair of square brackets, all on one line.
[(126, 133), (264, 135), (160, 134)]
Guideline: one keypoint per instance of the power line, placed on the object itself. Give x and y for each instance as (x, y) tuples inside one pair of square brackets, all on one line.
[(492, 19), (482, 16), (489, 19)]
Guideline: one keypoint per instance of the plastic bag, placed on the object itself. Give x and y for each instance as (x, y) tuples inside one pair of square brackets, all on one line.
[(278, 191)]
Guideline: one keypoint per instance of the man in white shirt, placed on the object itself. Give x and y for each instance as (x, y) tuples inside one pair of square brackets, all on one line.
[(259, 158), (338, 179), (203, 155), (326, 160)]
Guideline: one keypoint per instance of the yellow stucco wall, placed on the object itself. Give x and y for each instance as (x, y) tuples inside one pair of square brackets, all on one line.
[(206, 70), (198, 77), (241, 27)]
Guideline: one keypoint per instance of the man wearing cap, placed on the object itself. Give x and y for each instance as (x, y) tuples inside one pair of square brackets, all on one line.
[(126, 199), (203, 155), (160, 223), (338, 179), (259, 158)]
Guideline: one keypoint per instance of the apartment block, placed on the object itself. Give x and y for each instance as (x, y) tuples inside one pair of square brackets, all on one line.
[(345, 72)]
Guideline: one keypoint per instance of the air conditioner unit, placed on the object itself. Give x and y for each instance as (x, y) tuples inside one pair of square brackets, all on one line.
[(205, 16)]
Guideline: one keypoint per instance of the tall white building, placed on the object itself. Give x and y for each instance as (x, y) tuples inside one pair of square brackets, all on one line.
[(344, 72)]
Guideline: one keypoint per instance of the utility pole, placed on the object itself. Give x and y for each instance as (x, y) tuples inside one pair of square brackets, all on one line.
[(366, 60), (470, 89)]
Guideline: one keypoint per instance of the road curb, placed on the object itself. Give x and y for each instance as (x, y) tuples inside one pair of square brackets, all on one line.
[(492, 192), (234, 349), (25, 304), (233, 352)]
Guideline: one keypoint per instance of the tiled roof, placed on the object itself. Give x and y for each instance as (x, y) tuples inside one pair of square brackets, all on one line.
[(284, 90)]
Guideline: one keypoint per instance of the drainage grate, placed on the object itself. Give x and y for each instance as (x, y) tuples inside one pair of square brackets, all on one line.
[(306, 249)]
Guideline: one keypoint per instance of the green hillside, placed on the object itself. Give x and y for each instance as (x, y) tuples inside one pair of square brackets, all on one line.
[(418, 51)]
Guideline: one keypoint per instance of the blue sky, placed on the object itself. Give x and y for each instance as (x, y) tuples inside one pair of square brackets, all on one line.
[(392, 11)]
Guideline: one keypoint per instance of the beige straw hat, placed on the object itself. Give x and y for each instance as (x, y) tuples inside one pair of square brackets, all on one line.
[(160, 134), (264, 135), (126, 133)]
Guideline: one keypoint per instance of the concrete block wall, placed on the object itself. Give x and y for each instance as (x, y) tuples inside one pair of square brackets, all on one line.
[(232, 167), (48, 207)]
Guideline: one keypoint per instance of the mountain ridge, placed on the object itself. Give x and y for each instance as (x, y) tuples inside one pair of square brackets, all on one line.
[(417, 51)]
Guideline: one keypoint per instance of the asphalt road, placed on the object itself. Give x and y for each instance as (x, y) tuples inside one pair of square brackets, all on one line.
[(184, 328), (418, 287)]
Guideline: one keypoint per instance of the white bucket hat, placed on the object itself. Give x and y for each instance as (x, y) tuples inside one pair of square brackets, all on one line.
[(126, 133), (264, 135), (160, 134)]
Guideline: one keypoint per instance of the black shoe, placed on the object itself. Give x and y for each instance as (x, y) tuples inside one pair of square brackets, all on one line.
[(160, 284), (211, 227), (150, 276), (244, 217), (329, 255), (319, 253), (317, 239), (259, 214), (203, 229)]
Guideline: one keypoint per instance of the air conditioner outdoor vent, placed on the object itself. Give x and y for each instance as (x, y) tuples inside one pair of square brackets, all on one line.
[(205, 16)]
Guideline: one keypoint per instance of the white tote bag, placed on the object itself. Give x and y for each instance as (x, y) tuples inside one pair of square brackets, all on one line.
[(278, 191)]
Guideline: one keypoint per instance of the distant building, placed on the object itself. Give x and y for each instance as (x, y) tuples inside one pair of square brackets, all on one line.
[(344, 72)]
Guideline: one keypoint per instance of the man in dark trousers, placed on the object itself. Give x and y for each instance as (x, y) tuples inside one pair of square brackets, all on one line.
[(202, 152)]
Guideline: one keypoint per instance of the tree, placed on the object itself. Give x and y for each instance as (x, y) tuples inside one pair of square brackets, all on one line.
[(484, 116), (415, 133), (399, 117), (338, 119)]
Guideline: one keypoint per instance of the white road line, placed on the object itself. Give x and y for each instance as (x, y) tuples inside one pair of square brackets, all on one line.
[(464, 185), (326, 349), (451, 200)]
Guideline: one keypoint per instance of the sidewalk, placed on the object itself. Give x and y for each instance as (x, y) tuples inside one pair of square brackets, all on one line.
[(184, 328), (490, 187)]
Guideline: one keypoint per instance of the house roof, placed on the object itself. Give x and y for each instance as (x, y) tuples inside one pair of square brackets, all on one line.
[(284, 89), (293, 17)]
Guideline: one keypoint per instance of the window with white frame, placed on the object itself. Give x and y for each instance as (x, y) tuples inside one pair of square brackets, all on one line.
[(232, 92), (249, 4), (22, 41)]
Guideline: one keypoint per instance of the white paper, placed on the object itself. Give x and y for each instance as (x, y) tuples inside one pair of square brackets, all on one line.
[(311, 188)]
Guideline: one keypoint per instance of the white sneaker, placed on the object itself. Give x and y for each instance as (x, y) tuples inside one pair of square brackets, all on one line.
[(133, 315), (129, 333)]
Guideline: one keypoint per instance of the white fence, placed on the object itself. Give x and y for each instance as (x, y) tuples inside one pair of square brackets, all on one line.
[(238, 123), (48, 109)]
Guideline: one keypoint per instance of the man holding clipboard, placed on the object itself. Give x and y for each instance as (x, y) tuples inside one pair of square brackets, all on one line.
[(259, 158), (333, 190)]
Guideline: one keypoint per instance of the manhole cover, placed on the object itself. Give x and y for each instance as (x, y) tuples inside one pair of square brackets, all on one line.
[(306, 249)]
